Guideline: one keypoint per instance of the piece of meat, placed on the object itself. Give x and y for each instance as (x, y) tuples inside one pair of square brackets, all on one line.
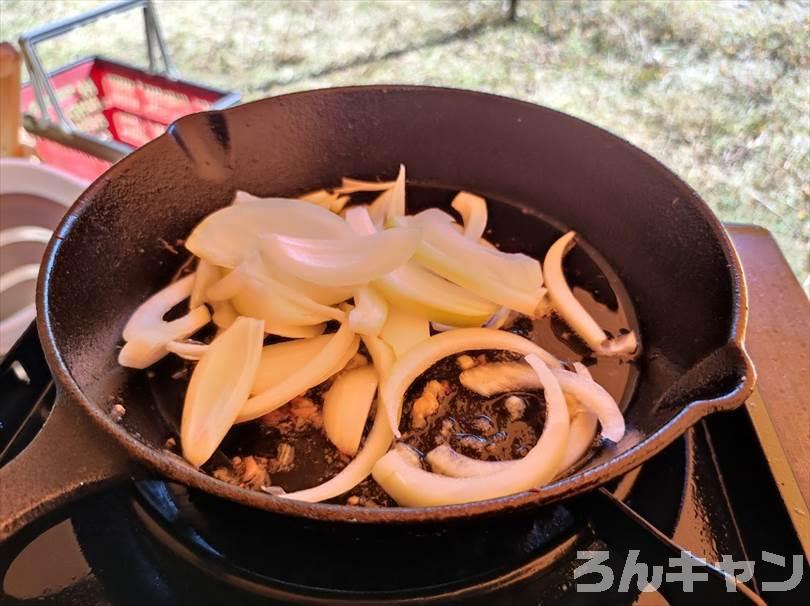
[(465, 362), (515, 406), (305, 412), (428, 403), (279, 418), (285, 458), (499, 377), (248, 472)]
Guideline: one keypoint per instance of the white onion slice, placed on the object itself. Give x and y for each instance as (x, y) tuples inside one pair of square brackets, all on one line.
[(369, 313), (391, 202), (219, 387), (350, 186), (316, 372), (258, 299), (150, 313), (420, 291), (359, 220), (404, 330), (147, 346), (342, 262), (254, 293), (508, 279), (428, 352), (224, 314), (425, 217), (473, 211), (329, 200), (281, 360), (188, 350), (146, 333), (377, 442), (293, 331), (499, 377), (206, 275), (495, 321), (594, 397), (346, 405), (325, 295), (224, 236), (445, 460), (321, 197), (413, 487), (576, 316)]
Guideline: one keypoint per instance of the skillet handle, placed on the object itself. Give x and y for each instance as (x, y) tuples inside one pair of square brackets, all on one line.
[(68, 458)]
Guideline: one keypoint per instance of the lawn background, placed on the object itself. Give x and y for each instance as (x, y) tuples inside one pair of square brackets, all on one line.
[(717, 90)]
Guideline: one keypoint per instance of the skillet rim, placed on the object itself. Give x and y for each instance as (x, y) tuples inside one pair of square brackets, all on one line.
[(175, 468)]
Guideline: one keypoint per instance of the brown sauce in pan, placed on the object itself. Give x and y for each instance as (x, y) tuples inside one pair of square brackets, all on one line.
[(471, 424)]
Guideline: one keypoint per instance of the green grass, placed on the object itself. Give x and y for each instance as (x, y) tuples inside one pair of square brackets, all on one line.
[(720, 91)]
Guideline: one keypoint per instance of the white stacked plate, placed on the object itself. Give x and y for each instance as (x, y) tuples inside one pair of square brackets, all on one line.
[(33, 198)]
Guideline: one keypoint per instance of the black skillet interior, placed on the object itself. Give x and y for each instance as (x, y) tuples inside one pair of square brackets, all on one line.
[(671, 254)]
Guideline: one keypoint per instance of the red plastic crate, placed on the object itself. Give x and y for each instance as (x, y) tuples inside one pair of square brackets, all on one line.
[(114, 101)]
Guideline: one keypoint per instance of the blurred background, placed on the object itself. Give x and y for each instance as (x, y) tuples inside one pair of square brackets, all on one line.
[(717, 90)]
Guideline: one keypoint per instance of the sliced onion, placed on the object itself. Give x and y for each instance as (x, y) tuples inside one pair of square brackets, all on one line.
[(428, 352), (346, 405), (495, 321), (256, 294), (325, 199), (294, 331), (391, 202), (377, 442), (342, 262), (147, 346), (224, 236), (499, 377), (316, 372), (150, 313), (350, 186), (499, 318), (219, 387), (445, 460), (188, 350), (359, 220), (224, 314), (281, 360), (325, 295), (565, 304), (422, 292), (147, 334), (370, 312), (322, 197), (584, 427), (206, 276), (413, 288), (510, 280), (425, 217), (473, 211), (413, 487), (403, 330), (594, 397)]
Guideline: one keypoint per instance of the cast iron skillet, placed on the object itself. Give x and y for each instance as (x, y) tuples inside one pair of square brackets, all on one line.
[(670, 252)]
